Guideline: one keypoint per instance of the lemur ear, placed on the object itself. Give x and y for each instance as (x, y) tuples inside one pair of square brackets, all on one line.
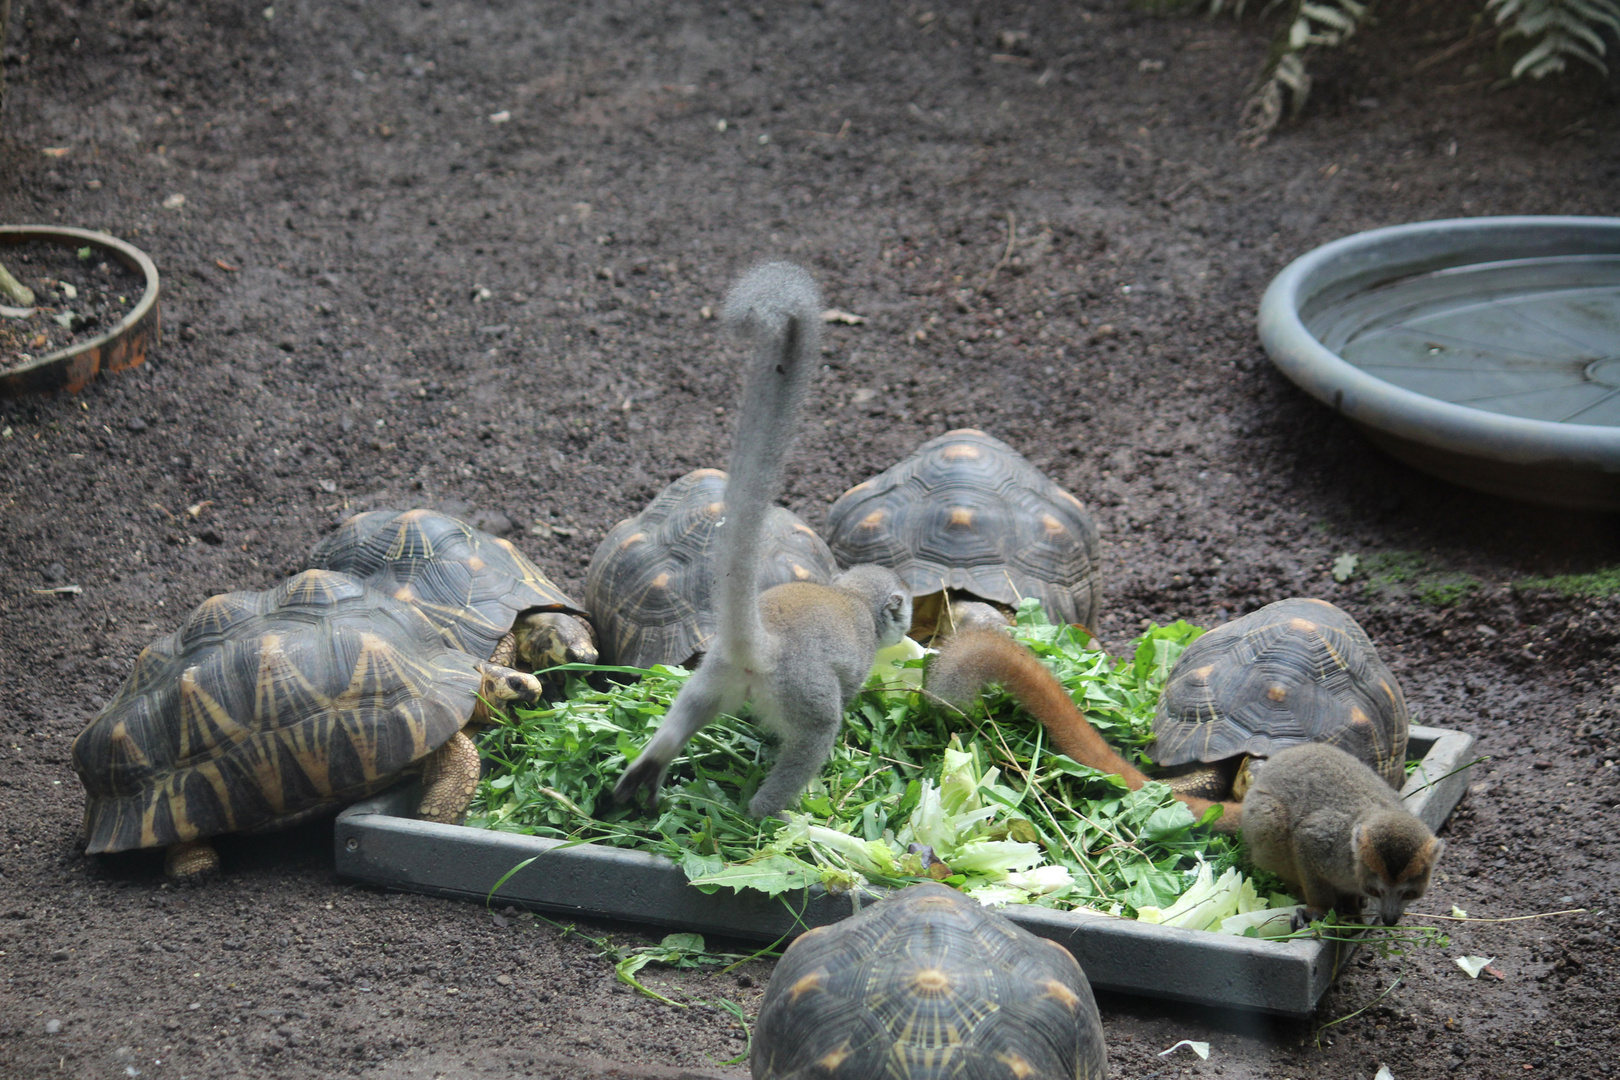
[(896, 604)]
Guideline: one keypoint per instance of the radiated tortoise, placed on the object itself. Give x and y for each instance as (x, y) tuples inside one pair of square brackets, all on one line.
[(973, 528), (267, 708), (1299, 670), (486, 596), (927, 984), (650, 583)]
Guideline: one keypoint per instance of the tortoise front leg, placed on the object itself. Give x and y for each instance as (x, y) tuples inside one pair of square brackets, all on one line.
[(449, 778), (190, 859)]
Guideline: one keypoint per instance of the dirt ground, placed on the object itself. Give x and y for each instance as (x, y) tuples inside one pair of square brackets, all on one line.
[(461, 255)]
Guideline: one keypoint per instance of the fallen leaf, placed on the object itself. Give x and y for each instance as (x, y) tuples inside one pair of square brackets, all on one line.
[(225, 266), (55, 151), (1199, 1048), (845, 317), (1473, 965), (1384, 1073), (500, 118), (1344, 567), (174, 202), (1458, 913)]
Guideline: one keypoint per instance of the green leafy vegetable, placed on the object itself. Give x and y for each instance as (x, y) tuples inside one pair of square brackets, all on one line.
[(916, 790)]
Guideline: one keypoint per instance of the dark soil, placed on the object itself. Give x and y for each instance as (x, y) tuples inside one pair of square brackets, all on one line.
[(430, 307), (75, 298)]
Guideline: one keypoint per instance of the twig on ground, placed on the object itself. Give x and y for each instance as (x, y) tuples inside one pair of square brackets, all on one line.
[(1451, 50), (1507, 918), (1351, 1016), (1007, 254)]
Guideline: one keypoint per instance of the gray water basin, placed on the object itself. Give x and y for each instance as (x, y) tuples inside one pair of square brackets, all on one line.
[(1485, 351)]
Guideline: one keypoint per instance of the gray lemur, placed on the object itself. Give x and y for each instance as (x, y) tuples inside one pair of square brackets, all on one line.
[(799, 652), (1328, 825)]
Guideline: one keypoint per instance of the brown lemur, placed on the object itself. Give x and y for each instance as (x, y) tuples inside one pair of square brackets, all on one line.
[(972, 659), (799, 652), (1317, 817), (1331, 827)]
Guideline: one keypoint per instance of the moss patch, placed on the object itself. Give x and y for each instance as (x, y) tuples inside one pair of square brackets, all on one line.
[(1408, 573), (1597, 583)]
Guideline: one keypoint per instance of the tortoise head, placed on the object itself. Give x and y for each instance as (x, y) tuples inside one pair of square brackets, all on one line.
[(1248, 771), (502, 685), (548, 638)]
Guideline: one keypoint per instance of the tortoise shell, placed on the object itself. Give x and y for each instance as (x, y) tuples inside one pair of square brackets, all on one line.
[(472, 585), (1299, 670), (264, 708), (967, 513), (650, 582), (927, 983)]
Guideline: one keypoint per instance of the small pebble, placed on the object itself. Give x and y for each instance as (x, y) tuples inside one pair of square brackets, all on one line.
[(52, 1027), (504, 980), (135, 423)]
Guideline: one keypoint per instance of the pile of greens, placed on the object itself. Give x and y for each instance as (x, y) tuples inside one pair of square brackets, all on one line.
[(916, 790)]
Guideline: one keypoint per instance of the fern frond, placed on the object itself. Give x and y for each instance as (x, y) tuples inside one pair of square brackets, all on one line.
[(1597, 11), (1557, 29), (1331, 16), (1310, 23)]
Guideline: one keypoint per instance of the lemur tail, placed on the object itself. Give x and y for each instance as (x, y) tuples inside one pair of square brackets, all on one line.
[(779, 306), (972, 659)]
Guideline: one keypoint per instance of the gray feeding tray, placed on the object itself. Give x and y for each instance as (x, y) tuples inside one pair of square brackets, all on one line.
[(1485, 351), (378, 844)]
